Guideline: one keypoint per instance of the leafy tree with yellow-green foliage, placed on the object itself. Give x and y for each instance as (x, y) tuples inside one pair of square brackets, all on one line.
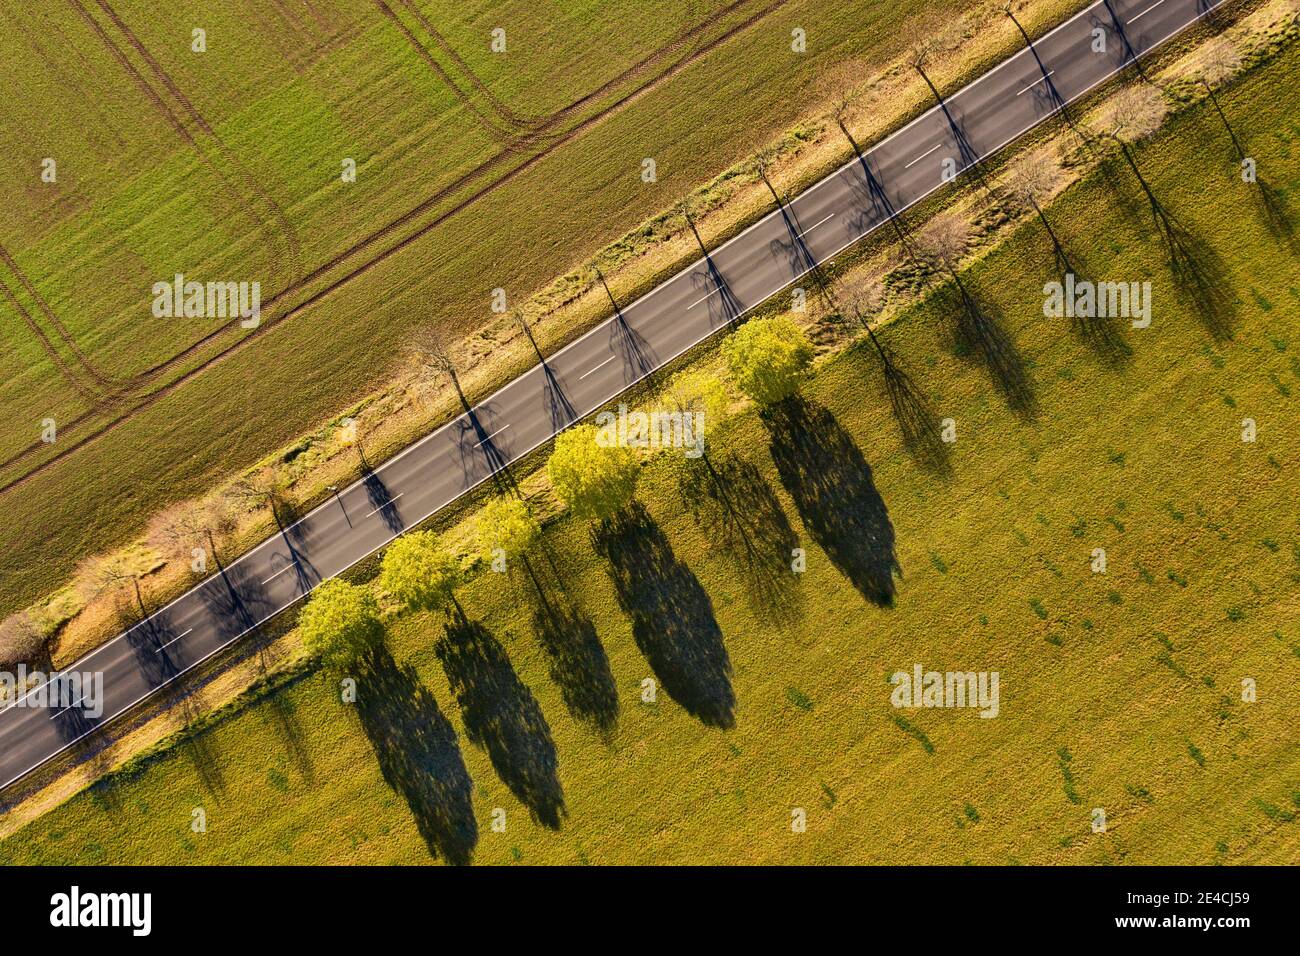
[(595, 479), (768, 358), (340, 622), (508, 524), (419, 573), (698, 391)]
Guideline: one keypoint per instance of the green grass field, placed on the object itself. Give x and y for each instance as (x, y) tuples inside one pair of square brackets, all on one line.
[(1119, 691), (475, 170)]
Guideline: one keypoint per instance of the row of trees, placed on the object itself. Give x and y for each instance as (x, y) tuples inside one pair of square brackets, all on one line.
[(768, 359), (342, 622)]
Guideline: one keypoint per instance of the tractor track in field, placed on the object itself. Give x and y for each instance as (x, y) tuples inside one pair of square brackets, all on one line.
[(287, 232), (101, 127), (323, 34), (130, 406), (86, 391), (530, 129), (509, 141), (104, 388)]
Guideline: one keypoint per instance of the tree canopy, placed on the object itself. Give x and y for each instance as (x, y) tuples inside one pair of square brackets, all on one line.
[(595, 480), (697, 391), (768, 358), (418, 572), (340, 622), (508, 524)]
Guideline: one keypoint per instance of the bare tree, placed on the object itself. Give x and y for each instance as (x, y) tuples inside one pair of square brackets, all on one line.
[(944, 240), (1032, 180), (266, 486), (192, 524), (433, 359), (429, 347), (1219, 61), (1035, 175), (22, 640), (111, 575), (1135, 112)]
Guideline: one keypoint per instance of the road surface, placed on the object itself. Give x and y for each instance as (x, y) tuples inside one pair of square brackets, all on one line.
[(585, 375)]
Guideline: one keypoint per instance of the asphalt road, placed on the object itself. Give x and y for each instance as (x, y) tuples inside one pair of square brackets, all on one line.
[(585, 375)]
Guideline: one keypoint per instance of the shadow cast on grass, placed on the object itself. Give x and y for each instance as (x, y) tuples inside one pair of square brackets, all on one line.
[(979, 330), (418, 754), (672, 617), (577, 660), (1100, 333), (736, 507), (830, 482), (918, 424), (1201, 273), (1278, 215), (502, 716), (1196, 267)]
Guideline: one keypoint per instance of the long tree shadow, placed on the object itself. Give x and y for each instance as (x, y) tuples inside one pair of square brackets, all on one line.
[(562, 411), (736, 507), (418, 754), (874, 204), (76, 728), (979, 330), (1098, 332), (155, 646), (725, 308), (576, 658), (830, 482), (917, 422), (502, 716), (87, 749), (1197, 268), (968, 156), (293, 534), (671, 614), (473, 439), (794, 248), (638, 356), (235, 605), (1277, 214), (1131, 51)]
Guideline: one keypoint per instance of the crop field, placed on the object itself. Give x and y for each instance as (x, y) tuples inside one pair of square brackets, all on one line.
[(474, 170), (1120, 691)]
